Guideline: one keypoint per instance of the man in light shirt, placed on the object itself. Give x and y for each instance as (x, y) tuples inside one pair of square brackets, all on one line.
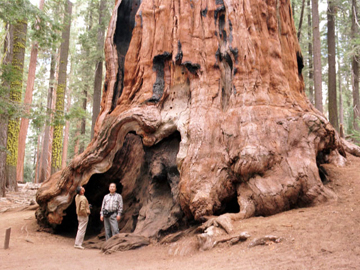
[(111, 210), (83, 212)]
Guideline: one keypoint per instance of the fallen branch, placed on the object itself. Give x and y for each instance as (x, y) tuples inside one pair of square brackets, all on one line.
[(266, 240)]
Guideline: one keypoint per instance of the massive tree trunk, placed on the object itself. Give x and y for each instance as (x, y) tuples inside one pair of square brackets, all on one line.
[(56, 151), (203, 113)]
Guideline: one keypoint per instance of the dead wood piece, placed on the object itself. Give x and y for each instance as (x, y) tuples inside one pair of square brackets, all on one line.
[(266, 240), (7, 238), (176, 236), (32, 207), (95, 242), (124, 241), (224, 222), (205, 241), (351, 148), (234, 240)]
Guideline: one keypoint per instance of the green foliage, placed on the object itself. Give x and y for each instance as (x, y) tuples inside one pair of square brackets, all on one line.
[(45, 29), (29, 173), (7, 106)]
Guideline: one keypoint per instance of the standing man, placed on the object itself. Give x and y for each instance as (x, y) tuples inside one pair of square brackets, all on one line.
[(83, 212), (111, 210)]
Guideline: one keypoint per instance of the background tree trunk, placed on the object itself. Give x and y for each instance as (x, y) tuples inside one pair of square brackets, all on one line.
[(333, 111), (310, 59), (8, 54), (98, 67), (44, 159), (56, 152), (341, 105), (301, 19), (66, 131), (355, 69), (203, 113), (77, 139), (24, 124), (19, 45), (83, 122), (317, 56)]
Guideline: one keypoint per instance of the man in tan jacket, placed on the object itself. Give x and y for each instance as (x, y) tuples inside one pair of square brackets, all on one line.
[(83, 212)]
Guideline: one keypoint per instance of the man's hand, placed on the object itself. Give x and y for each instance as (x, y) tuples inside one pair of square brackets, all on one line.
[(117, 218), (101, 218)]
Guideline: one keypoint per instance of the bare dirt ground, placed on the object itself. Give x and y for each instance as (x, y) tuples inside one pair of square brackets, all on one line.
[(321, 237)]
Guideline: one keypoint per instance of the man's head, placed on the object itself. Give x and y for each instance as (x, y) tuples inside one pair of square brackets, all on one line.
[(112, 188), (80, 190)]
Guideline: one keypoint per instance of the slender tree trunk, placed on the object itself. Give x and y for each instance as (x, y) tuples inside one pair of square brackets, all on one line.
[(60, 93), (77, 139), (85, 93), (8, 52), (341, 106), (317, 56), (98, 67), (20, 31), (24, 124), (301, 19), (332, 95), (44, 159), (83, 124), (355, 69), (65, 145), (38, 157), (310, 59), (66, 131)]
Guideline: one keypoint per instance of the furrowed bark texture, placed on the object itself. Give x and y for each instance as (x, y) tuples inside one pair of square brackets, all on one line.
[(203, 113)]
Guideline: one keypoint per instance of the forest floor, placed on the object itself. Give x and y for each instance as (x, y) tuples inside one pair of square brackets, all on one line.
[(321, 237)]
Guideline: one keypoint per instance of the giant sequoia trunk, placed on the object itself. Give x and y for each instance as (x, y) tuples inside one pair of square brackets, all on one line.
[(203, 113)]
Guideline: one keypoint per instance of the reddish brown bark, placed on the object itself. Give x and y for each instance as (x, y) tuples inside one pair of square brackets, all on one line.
[(203, 113), (24, 124)]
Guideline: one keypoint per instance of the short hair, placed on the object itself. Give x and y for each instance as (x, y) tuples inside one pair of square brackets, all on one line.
[(78, 189)]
